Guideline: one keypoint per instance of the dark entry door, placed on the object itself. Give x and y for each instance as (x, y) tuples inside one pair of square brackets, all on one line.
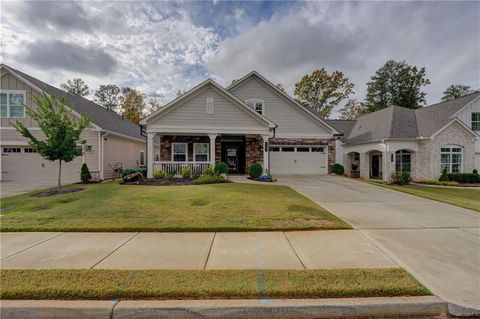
[(375, 166), (233, 153), (232, 158)]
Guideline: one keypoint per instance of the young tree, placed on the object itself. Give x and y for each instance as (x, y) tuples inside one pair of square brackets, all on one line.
[(76, 86), (322, 91), (455, 91), (108, 96), (181, 92), (281, 87), (352, 110), (133, 105), (61, 128), (396, 83)]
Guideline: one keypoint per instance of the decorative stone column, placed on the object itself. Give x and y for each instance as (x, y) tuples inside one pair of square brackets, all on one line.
[(365, 165), (150, 154), (212, 138), (266, 167)]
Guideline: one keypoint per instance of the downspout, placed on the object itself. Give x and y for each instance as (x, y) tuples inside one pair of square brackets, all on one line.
[(102, 153), (384, 173), (268, 149)]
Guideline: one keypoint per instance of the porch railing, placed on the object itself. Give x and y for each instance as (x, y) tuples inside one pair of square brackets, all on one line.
[(177, 166)]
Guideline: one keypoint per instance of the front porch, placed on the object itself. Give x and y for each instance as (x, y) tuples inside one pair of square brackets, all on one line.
[(201, 151)]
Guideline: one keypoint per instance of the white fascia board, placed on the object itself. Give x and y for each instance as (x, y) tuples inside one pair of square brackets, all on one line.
[(454, 115)]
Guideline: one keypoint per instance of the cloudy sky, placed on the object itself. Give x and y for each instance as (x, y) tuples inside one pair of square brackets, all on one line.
[(160, 47)]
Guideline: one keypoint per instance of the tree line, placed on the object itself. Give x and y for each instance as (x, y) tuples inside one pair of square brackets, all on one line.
[(395, 83), (131, 103)]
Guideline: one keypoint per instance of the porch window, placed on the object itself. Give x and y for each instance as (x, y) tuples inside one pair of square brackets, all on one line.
[(141, 159), (402, 161), (257, 105), (476, 121), (179, 152), (451, 159), (12, 104), (200, 152)]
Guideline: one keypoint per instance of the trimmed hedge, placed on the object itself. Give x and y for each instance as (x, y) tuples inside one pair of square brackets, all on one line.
[(338, 169), (209, 179), (464, 178), (127, 171), (255, 170)]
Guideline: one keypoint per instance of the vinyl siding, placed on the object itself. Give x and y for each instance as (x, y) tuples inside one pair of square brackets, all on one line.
[(290, 120), (121, 150), (192, 113), (466, 117)]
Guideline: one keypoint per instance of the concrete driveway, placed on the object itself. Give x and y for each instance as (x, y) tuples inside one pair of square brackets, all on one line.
[(12, 188), (437, 243)]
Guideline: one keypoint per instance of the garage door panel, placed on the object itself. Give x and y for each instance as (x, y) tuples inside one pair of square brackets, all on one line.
[(22, 166), (301, 163)]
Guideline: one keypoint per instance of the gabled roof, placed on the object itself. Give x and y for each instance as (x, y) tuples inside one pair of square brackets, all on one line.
[(396, 122), (100, 116), (284, 95), (209, 82), (343, 126)]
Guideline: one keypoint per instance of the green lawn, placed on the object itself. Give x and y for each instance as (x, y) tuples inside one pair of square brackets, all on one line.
[(466, 198), (207, 284), (220, 207)]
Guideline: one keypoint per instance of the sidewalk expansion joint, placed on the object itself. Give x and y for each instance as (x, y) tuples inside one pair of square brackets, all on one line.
[(209, 251), (34, 245), (294, 250), (110, 253)]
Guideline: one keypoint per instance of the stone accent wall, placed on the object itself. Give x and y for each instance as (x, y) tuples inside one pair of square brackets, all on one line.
[(167, 140), (253, 150), (428, 156), (309, 141)]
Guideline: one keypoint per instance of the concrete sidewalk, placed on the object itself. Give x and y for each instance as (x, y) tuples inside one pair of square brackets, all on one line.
[(245, 250)]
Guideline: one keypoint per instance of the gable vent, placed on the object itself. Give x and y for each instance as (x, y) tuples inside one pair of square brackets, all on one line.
[(210, 107)]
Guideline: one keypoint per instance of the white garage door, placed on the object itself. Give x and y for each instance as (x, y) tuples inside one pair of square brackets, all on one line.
[(300, 160), (20, 163)]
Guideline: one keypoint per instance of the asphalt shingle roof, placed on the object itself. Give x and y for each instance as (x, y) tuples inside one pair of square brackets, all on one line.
[(399, 122), (105, 119)]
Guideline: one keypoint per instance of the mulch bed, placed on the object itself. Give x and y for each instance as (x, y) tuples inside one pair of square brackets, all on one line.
[(52, 192), (261, 181), (161, 182)]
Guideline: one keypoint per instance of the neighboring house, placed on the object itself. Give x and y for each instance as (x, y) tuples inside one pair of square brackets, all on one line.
[(111, 140), (249, 121), (422, 141)]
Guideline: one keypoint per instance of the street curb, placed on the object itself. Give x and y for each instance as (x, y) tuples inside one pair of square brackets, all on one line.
[(381, 307)]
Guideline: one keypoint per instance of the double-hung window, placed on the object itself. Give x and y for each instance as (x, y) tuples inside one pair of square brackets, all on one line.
[(476, 121), (402, 161), (12, 104), (200, 152), (257, 105), (451, 159), (179, 152), (141, 158)]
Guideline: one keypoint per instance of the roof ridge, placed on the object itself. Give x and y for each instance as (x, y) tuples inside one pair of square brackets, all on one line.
[(442, 102)]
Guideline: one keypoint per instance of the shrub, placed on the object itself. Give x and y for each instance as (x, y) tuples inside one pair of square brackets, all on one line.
[(169, 174), (444, 176), (434, 182), (159, 174), (209, 172), (401, 178), (196, 174), (255, 170), (127, 171), (338, 169), (464, 178), (475, 172), (85, 175), (186, 172), (209, 179), (220, 168)]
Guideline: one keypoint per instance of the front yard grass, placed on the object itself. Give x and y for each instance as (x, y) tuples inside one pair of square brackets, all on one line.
[(207, 284), (466, 198), (221, 207)]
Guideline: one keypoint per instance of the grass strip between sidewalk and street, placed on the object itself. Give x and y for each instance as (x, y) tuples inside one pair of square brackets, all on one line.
[(465, 198), (207, 284)]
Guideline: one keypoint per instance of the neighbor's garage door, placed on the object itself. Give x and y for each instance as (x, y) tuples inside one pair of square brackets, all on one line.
[(298, 160), (20, 163)]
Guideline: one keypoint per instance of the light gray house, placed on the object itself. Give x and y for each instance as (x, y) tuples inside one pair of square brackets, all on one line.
[(110, 140), (249, 121), (422, 141)]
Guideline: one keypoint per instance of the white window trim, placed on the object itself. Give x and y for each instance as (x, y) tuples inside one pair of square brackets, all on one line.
[(401, 153), (24, 93), (140, 158), (195, 153), (449, 170), (324, 147), (157, 157), (256, 101), (186, 152)]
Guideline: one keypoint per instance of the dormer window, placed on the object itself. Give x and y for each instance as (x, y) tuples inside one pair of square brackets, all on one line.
[(257, 105)]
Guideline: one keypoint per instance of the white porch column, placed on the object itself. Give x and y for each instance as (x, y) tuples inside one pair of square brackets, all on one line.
[(212, 137), (265, 146), (150, 152)]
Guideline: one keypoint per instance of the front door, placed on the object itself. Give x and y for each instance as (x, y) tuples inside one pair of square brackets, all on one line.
[(231, 157), (375, 166)]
